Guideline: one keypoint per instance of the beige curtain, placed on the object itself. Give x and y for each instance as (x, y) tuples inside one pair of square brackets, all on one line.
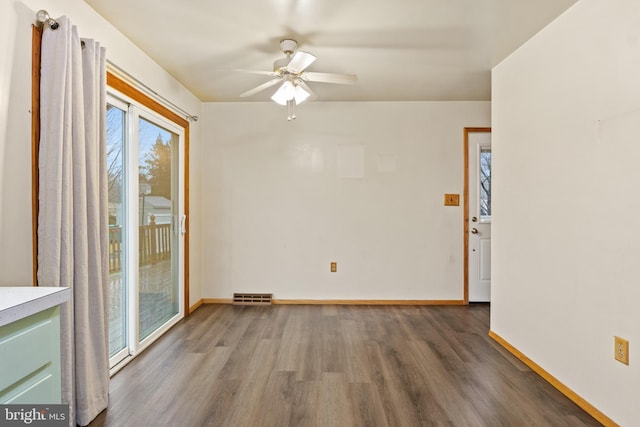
[(73, 216)]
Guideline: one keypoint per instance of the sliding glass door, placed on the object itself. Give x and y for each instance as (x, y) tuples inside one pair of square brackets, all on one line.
[(146, 225), (118, 313), (158, 268)]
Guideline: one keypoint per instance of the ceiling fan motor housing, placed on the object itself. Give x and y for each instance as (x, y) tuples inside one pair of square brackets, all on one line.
[(288, 46)]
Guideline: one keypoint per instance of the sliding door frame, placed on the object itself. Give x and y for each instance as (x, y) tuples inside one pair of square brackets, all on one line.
[(119, 85)]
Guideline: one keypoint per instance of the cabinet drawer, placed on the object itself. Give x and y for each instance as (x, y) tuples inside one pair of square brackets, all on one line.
[(30, 355), (38, 389)]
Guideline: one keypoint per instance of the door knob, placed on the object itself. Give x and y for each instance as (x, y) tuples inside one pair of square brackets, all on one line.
[(474, 219), (474, 231)]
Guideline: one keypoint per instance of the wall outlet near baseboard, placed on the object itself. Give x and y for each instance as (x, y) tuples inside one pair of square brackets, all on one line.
[(621, 350), (333, 266)]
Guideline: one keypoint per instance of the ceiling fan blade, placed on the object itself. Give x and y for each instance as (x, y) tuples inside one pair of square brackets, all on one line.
[(300, 61), (259, 72), (345, 79), (260, 88)]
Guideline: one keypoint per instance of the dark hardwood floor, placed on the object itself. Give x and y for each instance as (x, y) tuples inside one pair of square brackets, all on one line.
[(334, 366)]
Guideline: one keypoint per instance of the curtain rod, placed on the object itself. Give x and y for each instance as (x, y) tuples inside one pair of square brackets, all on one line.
[(42, 16), (149, 91)]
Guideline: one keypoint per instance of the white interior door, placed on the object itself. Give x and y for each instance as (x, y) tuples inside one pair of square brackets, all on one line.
[(479, 216)]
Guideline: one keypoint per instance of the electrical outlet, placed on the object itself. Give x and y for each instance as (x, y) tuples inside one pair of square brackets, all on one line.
[(621, 350), (334, 267)]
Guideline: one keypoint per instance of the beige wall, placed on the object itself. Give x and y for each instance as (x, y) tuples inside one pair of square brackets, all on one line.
[(276, 211), (15, 145), (566, 108)]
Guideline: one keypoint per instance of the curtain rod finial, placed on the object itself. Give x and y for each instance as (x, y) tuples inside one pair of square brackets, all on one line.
[(42, 16)]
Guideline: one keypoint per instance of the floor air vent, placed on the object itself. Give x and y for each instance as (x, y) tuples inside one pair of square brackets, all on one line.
[(252, 299)]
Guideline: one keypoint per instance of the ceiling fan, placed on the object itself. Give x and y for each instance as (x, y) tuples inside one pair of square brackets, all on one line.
[(290, 73)]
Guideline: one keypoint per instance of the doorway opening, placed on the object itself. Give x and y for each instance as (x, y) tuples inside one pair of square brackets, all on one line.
[(477, 214)]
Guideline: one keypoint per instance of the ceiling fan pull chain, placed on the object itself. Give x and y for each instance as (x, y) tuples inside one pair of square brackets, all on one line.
[(291, 109)]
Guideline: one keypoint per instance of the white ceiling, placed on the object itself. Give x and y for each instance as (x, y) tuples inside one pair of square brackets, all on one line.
[(401, 50)]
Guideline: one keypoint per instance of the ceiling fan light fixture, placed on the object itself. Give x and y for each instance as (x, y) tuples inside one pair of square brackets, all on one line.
[(284, 93), (288, 92), (300, 95)]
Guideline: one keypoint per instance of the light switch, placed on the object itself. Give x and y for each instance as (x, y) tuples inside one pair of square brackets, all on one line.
[(452, 200)]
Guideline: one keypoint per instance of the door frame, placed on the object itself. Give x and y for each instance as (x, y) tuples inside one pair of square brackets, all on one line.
[(465, 198)]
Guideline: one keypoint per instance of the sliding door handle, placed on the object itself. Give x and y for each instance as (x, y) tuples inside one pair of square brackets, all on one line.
[(183, 225)]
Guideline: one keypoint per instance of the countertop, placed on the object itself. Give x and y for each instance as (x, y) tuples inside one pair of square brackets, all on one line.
[(18, 302)]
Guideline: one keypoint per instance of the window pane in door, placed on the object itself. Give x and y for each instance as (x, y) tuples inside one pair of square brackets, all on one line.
[(485, 182), (158, 206), (117, 290)]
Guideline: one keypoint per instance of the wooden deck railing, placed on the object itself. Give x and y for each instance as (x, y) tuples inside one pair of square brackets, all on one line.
[(154, 244), (115, 249)]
